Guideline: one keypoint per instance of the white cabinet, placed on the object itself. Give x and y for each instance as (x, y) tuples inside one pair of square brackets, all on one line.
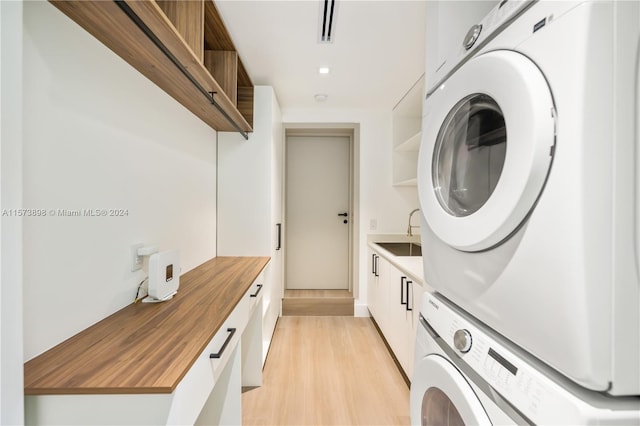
[(209, 392), (373, 282), (377, 289), (403, 312), (407, 124), (398, 331), (414, 300), (250, 199), (394, 297)]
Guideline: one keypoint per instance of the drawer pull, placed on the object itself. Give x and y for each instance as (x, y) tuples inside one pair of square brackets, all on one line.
[(376, 273), (257, 291), (218, 354), (373, 264), (409, 284), (279, 229)]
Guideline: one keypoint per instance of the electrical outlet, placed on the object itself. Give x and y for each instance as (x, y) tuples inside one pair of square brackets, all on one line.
[(373, 224), (136, 261)]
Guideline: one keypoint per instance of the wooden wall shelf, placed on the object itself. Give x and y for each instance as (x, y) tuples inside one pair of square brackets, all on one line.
[(199, 59)]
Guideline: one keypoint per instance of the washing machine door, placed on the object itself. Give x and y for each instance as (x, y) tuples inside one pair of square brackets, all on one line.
[(440, 395), (486, 150)]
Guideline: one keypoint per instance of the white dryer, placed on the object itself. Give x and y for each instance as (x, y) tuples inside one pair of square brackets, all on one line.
[(465, 374), (528, 178)]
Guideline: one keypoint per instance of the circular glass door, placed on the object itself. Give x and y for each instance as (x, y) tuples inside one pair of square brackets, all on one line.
[(486, 150), (438, 409), (469, 154), (442, 396)]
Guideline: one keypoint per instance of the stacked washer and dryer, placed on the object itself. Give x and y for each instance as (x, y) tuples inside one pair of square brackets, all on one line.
[(529, 185)]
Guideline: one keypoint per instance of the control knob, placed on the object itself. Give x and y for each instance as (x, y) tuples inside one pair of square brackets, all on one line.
[(472, 36), (462, 340)]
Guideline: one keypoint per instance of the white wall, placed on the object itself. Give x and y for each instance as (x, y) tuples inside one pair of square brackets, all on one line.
[(99, 135), (11, 391), (376, 198)]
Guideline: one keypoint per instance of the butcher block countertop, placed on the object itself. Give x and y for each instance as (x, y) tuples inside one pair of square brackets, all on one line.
[(146, 347)]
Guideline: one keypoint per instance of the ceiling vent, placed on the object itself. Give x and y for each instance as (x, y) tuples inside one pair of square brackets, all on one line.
[(327, 20)]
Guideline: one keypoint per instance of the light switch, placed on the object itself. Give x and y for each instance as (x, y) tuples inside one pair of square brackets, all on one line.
[(136, 261)]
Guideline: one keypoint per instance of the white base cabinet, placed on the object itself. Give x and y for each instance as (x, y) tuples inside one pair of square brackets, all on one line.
[(224, 405), (394, 297), (208, 394)]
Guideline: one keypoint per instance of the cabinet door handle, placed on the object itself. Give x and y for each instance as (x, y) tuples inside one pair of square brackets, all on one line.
[(373, 264), (218, 354), (257, 291), (402, 287), (279, 228), (407, 284), (377, 264)]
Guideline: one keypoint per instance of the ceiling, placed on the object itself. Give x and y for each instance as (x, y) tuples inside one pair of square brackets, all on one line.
[(376, 55)]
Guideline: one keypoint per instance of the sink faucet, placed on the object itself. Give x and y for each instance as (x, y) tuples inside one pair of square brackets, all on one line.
[(409, 229)]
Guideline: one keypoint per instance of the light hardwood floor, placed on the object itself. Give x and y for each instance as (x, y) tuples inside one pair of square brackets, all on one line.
[(327, 371)]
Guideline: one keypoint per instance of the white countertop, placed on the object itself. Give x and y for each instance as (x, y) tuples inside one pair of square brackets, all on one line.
[(411, 265)]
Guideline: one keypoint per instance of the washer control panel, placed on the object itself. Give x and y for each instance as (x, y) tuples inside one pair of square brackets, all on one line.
[(490, 26), (521, 385)]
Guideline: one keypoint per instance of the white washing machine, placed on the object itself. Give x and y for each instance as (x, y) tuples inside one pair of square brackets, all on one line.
[(465, 374), (528, 178)]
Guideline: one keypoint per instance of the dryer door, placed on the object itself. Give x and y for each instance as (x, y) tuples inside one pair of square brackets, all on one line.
[(441, 396), (486, 150)]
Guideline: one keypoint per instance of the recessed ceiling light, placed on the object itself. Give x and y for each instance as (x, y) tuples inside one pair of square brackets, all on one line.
[(324, 70), (321, 97)]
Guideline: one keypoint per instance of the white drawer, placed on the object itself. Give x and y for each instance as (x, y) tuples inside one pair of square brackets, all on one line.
[(256, 291), (196, 386)]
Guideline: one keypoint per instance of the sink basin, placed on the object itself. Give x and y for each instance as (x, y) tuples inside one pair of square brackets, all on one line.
[(402, 249)]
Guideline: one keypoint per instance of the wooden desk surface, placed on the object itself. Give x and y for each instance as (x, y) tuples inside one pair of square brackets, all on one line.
[(146, 347)]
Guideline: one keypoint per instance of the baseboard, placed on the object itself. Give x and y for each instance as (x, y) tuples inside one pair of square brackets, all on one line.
[(361, 310)]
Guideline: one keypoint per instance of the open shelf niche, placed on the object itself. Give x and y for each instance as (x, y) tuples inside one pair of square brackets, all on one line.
[(406, 120)]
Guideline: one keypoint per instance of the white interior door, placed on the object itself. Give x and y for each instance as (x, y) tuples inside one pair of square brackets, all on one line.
[(317, 194)]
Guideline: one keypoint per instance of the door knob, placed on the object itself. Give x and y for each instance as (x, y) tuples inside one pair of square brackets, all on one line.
[(345, 214)]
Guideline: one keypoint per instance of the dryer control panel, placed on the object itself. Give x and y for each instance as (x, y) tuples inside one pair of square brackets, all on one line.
[(526, 388)]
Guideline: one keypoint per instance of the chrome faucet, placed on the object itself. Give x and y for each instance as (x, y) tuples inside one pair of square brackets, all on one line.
[(409, 229)]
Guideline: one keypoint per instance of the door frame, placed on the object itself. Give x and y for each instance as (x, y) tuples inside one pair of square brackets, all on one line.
[(352, 131)]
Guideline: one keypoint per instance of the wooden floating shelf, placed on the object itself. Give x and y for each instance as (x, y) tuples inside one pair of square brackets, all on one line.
[(201, 57)]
